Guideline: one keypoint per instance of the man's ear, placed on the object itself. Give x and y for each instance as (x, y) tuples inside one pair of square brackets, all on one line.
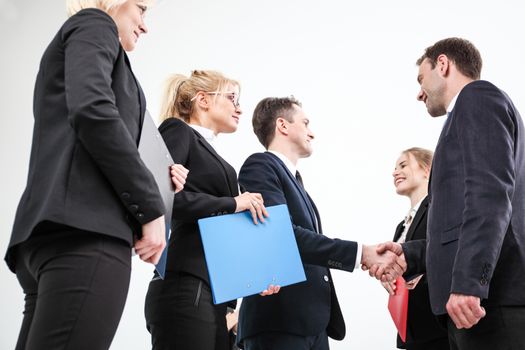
[(443, 65), (281, 125)]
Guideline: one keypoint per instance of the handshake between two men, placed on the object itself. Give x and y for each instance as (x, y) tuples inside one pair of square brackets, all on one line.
[(384, 261)]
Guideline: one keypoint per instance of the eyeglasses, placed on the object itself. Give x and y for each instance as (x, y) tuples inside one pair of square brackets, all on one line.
[(232, 96)]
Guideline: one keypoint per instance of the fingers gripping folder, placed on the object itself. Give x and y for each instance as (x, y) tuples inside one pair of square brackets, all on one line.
[(244, 258)]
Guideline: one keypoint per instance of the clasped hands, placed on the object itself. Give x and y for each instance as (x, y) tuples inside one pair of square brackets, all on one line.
[(387, 262), (384, 261)]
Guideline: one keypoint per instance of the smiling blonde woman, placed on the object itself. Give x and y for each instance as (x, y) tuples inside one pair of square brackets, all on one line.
[(411, 176)]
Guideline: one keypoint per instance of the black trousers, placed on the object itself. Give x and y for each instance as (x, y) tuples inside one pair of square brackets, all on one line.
[(180, 315), (75, 286), (435, 344), (502, 328), (286, 341)]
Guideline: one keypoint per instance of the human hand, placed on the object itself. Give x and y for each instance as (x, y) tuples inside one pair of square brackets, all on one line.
[(413, 282), (394, 247), (254, 203), (390, 287), (271, 290), (464, 310), (383, 264), (178, 176), (232, 319), (149, 248)]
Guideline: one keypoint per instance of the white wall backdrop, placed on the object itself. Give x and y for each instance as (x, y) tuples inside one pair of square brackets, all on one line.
[(351, 63)]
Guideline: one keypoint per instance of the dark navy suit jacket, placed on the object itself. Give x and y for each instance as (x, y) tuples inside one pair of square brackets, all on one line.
[(310, 307), (476, 218)]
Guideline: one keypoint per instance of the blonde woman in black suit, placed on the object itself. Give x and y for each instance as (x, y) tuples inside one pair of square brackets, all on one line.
[(411, 176), (179, 309), (88, 192)]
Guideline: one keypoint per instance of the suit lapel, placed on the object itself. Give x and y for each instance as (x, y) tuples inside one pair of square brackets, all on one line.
[(232, 181), (399, 231), (300, 189), (417, 219), (142, 99), (444, 131)]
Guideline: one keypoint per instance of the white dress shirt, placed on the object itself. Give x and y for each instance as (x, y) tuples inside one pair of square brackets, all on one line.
[(408, 221), (208, 134), (452, 103)]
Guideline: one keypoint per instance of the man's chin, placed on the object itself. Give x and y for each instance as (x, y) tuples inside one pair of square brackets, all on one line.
[(434, 112), (307, 154)]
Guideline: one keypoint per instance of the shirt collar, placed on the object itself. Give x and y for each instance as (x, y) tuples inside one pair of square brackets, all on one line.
[(412, 212), (452, 103), (287, 162), (208, 134)]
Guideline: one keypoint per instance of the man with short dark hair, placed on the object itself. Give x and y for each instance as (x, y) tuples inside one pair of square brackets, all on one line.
[(475, 257), (304, 315)]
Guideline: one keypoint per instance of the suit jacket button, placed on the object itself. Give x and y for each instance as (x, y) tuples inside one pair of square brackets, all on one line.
[(325, 277), (133, 207), (483, 281), (125, 195), (140, 215)]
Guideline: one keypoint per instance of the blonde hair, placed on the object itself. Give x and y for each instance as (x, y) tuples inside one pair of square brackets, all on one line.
[(73, 6), (422, 156), (180, 90)]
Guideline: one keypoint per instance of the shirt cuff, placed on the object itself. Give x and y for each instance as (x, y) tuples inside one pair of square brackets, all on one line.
[(358, 256)]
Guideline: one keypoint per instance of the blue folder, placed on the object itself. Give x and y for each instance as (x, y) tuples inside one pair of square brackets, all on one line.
[(157, 158), (244, 258)]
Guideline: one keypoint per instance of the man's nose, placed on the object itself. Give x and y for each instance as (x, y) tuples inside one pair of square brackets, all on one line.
[(420, 95)]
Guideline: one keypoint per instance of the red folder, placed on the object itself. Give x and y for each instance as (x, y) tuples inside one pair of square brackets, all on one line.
[(398, 307)]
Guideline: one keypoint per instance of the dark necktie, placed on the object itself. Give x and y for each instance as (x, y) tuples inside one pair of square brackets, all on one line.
[(308, 200), (299, 178)]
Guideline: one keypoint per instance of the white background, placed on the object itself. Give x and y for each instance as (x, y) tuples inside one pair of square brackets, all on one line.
[(351, 63)]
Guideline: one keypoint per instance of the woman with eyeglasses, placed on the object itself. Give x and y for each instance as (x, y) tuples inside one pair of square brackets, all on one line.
[(411, 175), (88, 192), (180, 313)]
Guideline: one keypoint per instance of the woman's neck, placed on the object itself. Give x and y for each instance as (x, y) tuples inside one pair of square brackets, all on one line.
[(417, 195), (204, 122)]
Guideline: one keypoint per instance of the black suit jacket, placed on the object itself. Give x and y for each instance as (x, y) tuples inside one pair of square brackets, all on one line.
[(309, 307), (85, 170), (422, 325), (209, 190), (476, 219)]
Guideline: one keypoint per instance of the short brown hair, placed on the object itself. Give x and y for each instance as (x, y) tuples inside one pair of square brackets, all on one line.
[(266, 113), (460, 51)]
